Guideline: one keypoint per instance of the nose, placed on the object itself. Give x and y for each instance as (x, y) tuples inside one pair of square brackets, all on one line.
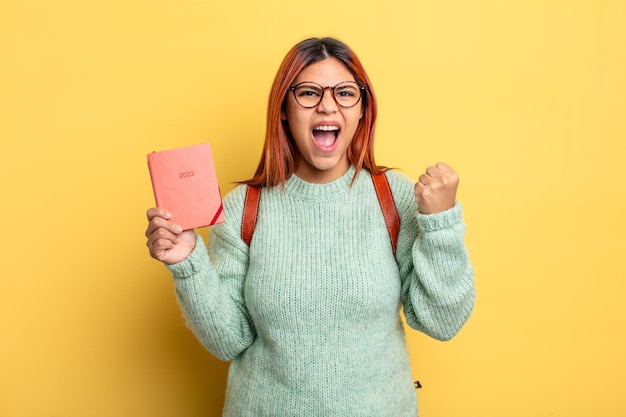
[(328, 103)]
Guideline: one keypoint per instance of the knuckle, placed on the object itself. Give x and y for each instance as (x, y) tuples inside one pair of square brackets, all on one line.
[(159, 245), (151, 213)]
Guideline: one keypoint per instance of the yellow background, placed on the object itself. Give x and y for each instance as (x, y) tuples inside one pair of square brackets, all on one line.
[(526, 99)]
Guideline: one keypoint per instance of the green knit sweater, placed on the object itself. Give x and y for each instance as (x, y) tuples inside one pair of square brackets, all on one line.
[(310, 313)]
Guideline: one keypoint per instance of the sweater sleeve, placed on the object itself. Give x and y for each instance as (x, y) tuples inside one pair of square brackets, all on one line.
[(438, 290), (209, 286)]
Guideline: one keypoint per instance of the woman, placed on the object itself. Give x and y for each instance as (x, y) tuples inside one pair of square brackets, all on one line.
[(308, 313)]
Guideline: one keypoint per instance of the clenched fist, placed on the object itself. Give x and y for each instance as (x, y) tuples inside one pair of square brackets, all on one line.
[(167, 242), (435, 190)]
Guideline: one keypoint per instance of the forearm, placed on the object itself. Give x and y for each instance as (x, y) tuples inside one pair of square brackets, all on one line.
[(439, 291), (211, 305)]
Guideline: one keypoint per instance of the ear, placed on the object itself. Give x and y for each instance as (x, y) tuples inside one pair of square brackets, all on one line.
[(283, 115)]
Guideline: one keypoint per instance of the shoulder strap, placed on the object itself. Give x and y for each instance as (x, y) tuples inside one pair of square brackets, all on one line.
[(383, 192), (388, 206), (250, 210)]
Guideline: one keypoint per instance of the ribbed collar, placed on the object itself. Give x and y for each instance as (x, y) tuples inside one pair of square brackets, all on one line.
[(297, 188)]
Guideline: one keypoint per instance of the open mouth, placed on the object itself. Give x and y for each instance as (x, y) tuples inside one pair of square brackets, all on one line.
[(326, 136)]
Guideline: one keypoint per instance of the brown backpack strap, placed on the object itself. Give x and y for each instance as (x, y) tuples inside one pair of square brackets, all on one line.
[(250, 209), (388, 206), (383, 192)]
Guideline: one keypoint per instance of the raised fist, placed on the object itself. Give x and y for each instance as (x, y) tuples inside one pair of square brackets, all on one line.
[(435, 190)]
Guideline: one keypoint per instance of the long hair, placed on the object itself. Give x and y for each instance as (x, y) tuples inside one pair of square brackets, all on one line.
[(280, 156)]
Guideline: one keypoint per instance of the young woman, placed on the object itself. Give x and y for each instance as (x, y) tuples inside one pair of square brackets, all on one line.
[(309, 311)]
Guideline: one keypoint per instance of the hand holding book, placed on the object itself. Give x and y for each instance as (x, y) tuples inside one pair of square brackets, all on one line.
[(187, 196), (167, 242)]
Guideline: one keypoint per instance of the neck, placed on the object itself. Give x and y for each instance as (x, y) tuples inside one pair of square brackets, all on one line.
[(315, 175)]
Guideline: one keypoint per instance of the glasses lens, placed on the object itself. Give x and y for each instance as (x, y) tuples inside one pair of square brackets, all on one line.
[(308, 95), (347, 93)]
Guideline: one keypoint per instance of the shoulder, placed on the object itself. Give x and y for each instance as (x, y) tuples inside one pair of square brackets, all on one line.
[(402, 187), (236, 196), (233, 203), (398, 179)]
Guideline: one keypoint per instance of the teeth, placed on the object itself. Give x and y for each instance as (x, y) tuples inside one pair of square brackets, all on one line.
[(326, 128)]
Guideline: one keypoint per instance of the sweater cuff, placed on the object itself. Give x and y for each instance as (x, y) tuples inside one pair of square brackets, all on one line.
[(442, 220), (193, 263)]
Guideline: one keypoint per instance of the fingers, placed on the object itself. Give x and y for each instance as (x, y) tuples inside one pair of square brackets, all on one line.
[(445, 167), (158, 223), (434, 172), (166, 241), (158, 212), (424, 180), (440, 170), (439, 173), (435, 189), (157, 218), (158, 248), (449, 175), (161, 233)]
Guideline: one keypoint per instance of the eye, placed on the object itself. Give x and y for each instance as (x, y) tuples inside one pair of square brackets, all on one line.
[(308, 91), (346, 91)]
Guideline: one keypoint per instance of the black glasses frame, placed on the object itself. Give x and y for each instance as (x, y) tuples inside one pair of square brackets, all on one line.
[(332, 89)]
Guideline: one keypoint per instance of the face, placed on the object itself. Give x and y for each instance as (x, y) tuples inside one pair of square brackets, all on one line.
[(323, 133)]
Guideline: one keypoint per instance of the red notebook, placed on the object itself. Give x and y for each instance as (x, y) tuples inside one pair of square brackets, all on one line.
[(185, 184)]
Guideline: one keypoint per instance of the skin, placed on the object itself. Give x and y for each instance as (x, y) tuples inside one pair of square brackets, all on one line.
[(435, 190)]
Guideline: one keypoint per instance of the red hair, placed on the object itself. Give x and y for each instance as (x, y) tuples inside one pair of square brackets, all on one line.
[(280, 156)]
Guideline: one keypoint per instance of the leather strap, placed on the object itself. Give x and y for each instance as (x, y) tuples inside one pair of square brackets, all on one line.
[(388, 206), (250, 210), (383, 192)]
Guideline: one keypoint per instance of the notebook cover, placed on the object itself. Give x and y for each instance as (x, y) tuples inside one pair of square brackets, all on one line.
[(185, 184)]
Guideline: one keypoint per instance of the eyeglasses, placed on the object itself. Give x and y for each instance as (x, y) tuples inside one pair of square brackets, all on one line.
[(309, 94)]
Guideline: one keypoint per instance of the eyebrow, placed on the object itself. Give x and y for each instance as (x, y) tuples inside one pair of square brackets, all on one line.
[(327, 86)]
